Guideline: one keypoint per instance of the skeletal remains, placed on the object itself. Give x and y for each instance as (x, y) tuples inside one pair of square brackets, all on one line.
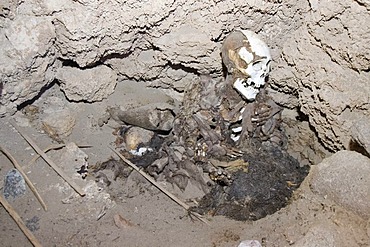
[(219, 119)]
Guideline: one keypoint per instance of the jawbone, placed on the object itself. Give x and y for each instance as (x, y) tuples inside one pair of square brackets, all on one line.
[(249, 92)]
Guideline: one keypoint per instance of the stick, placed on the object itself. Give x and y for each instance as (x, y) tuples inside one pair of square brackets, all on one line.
[(152, 181), (28, 181), (19, 222), (53, 147), (49, 161)]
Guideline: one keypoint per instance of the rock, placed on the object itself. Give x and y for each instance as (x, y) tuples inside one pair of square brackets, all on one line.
[(53, 116), (344, 178), (328, 68), (250, 243), (360, 132), (22, 120), (74, 162), (58, 124), (179, 44), (176, 78), (89, 85), (14, 185), (27, 59), (138, 94), (143, 65)]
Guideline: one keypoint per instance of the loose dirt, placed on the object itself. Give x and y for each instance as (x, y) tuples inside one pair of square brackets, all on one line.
[(132, 212)]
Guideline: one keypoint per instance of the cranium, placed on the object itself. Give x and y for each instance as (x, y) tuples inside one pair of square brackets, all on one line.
[(247, 59)]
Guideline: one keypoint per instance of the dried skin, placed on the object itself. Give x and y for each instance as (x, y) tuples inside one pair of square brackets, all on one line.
[(203, 128)]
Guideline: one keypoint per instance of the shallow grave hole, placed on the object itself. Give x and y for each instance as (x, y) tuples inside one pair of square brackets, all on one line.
[(225, 148), (262, 180)]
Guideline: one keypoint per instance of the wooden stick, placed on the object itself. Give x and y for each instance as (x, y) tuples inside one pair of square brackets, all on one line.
[(53, 147), (49, 161), (160, 187), (19, 222), (28, 181)]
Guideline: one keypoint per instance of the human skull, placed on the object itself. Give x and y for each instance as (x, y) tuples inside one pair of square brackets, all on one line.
[(247, 58)]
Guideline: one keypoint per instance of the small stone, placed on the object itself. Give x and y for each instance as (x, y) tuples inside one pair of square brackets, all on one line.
[(250, 243), (74, 161), (58, 124), (15, 185)]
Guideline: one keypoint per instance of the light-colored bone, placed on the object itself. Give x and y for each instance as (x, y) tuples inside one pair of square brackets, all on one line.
[(249, 92), (247, 59)]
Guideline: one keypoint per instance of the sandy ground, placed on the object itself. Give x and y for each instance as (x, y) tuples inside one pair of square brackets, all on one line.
[(141, 215)]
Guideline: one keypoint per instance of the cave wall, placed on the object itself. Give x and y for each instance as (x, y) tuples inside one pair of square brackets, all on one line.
[(326, 64), (320, 51)]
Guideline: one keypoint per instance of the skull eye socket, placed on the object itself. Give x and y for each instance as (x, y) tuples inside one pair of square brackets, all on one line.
[(257, 66)]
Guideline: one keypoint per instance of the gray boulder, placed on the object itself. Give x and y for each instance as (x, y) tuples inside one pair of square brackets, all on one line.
[(345, 179)]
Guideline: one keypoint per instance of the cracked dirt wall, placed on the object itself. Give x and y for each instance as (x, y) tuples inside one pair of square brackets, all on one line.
[(326, 63), (320, 50)]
